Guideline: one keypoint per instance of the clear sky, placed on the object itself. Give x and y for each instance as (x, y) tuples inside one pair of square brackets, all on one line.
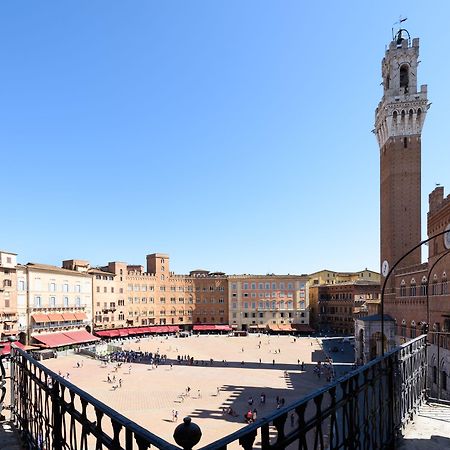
[(234, 135)]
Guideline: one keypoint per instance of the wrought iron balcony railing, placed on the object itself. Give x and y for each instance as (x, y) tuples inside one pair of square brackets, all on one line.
[(364, 409)]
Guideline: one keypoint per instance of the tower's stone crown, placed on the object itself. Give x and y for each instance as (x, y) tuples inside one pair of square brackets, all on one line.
[(401, 112)]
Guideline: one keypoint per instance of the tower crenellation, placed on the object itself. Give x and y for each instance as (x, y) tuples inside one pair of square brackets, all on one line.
[(401, 112)]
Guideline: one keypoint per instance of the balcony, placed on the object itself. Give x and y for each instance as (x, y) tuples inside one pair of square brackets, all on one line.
[(366, 408)]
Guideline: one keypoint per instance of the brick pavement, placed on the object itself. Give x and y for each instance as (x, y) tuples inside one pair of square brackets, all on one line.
[(149, 396)]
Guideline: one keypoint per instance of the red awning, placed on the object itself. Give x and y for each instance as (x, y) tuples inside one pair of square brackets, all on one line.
[(80, 316), (68, 316), (39, 318), (55, 317), (223, 327), (123, 332), (204, 328), (81, 336), (6, 350), (103, 333), (54, 340), (108, 333)]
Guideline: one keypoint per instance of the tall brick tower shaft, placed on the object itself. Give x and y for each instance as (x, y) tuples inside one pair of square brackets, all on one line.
[(398, 125)]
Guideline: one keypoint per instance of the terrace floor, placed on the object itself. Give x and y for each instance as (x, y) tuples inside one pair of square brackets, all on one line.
[(430, 429)]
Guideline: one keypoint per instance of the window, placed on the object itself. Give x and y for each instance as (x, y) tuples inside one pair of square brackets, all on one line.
[(98, 288), (404, 78), (37, 302), (403, 289), (52, 287), (65, 287), (274, 286), (21, 285), (245, 285), (77, 302), (7, 283), (77, 288), (66, 301), (234, 286), (52, 302), (289, 286), (253, 285)]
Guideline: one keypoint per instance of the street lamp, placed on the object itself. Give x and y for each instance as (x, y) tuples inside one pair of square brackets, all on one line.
[(441, 233)]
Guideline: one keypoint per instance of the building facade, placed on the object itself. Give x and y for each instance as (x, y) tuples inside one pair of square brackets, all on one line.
[(273, 302), (320, 284), (52, 300), (341, 303), (8, 295)]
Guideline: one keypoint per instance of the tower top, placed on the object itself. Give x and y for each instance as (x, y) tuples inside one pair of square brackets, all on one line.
[(401, 111), (402, 35)]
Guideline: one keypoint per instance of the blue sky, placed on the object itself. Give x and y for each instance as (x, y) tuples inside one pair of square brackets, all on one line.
[(233, 135)]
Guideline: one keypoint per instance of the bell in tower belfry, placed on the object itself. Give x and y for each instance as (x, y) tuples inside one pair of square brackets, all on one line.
[(399, 119)]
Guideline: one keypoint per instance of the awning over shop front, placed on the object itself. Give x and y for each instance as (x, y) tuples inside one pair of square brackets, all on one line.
[(54, 340), (6, 350), (67, 316), (55, 317), (123, 332), (280, 327), (81, 336), (80, 316), (212, 328), (68, 338), (40, 318)]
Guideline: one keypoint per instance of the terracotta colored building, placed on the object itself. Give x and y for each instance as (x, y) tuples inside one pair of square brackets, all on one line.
[(340, 304)]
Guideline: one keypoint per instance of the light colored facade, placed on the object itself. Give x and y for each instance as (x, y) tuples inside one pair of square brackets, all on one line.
[(275, 302), (8, 295), (57, 300), (331, 277)]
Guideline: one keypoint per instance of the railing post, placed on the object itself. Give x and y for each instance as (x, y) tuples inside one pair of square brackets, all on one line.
[(57, 419), (187, 434)]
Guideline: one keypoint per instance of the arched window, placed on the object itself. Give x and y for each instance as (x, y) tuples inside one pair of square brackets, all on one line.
[(412, 288), (403, 289), (423, 286), (411, 113), (395, 116), (419, 115), (434, 286), (404, 77), (444, 284)]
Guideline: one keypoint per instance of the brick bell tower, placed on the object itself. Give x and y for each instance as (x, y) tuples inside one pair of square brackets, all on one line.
[(398, 126)]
